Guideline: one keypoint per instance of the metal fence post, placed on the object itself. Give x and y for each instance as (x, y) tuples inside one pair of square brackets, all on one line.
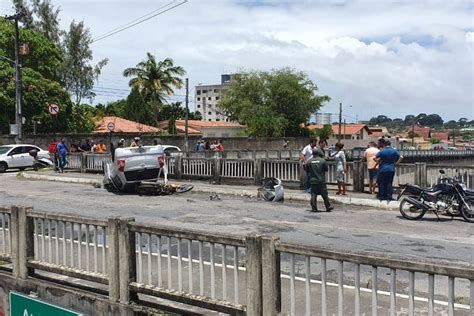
[(113, 258), (254, 275), (26, 244), (271, 282), (127, 260)]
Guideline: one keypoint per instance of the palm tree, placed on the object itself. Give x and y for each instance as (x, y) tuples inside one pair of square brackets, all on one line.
[(155, 80)]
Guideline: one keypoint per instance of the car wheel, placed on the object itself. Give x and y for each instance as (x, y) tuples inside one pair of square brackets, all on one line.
[(3, 167)]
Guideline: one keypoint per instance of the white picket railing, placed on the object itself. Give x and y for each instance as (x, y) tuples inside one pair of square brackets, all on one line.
[(282, 169), (462, 173), (5, 234), (200, 167), (237, 168)]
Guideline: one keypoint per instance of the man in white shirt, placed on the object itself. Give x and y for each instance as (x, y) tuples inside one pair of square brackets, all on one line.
[(307, 154)]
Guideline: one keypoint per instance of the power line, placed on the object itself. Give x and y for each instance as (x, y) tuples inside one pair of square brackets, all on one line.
[(137, 19), (128, 25)]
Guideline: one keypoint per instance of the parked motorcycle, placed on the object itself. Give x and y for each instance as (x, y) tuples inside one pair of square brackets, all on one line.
[(448, 196)]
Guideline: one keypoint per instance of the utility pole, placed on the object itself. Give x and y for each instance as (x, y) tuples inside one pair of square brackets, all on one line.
[(186, 116), (18, 92), (340, 122)]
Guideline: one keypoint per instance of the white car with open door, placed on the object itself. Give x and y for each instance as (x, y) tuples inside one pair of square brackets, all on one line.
[(18, 157), (133, 165)]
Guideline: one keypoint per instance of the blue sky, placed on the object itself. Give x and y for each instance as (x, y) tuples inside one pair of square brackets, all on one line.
[(381, 57)]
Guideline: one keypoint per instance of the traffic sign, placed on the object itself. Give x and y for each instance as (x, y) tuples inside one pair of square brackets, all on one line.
[(53, 109), (110, 126), (21, 305)]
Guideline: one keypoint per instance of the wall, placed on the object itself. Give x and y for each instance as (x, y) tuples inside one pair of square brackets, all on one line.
[(219, 132), (230, 143), (75, 299)]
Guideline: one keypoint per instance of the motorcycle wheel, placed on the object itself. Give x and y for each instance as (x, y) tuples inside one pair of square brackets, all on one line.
[(466, 214), (410, 211)]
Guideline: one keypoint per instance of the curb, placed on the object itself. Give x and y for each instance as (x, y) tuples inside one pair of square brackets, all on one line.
[(289, 196)]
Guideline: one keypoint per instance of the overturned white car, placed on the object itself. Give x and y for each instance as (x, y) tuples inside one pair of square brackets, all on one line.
[(132, 165)]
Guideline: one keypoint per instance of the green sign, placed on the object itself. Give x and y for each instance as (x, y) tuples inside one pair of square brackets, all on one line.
[(24, 305)]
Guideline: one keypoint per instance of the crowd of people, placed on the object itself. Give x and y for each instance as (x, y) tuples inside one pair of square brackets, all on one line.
[(202, 147), (381, 159)]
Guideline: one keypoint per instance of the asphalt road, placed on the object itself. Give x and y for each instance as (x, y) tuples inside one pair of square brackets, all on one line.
[(347, 228), (351, 228)]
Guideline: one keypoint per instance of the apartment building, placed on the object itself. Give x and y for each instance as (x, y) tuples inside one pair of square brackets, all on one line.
[(207, 97)]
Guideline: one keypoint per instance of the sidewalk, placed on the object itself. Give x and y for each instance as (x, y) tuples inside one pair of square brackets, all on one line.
[(352, 198)]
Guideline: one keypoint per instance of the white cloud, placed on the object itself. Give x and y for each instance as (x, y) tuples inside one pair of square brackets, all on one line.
[(383, 57)]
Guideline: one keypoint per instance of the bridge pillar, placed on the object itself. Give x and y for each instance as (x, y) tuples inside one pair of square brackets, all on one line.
[(257, 171), (127, 260), (421, 177), (217, 170), (83, 163), (358, 176), (254, 275), (178, 167), (271, 282), (113, 259)]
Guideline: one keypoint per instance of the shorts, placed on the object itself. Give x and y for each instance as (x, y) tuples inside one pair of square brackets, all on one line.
[(373, 174), (340, 176)]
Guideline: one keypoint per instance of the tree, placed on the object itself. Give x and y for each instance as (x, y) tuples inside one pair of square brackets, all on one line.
[(78, 74), (380, 120), (431, 120), (410, 120), (40, 85), (323, 133), (435, 141), (272, 103), (155, 80), (137, 110)]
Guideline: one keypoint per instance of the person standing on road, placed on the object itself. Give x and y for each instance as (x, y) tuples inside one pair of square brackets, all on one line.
[(372, 165), (62, 152), (306, 155), (341, 169), (317, 168), (387, 158)]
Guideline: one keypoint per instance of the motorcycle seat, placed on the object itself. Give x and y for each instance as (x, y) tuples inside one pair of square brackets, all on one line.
[(423, 188)]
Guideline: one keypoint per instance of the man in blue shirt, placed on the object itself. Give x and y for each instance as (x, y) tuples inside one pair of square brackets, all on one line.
[(387, 158), (62, 152)]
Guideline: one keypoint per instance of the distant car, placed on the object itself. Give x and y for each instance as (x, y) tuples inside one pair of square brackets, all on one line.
[(18, 157), (171, 150), (133, 165)]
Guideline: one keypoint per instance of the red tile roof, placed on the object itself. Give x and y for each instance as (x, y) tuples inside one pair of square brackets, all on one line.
[(210, 124), (440, 135), (180, 128), (123, 126), (421, 131), (349, 129)]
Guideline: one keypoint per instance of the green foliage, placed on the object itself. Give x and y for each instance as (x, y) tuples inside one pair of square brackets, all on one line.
[(40, 87), (155, 80), (435, 141), (271, 103), (78, 74), (323, 133), (172, 126)]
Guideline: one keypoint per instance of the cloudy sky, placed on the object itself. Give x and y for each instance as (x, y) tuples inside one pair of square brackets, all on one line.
[(376, 57)]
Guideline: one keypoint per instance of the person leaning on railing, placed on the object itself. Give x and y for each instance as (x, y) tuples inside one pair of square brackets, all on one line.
[(387, 158)]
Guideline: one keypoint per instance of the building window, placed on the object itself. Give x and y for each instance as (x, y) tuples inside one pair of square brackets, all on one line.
[(227, 120), (199, 106), (209, 98), (198, 92), (217, 120), (216, 90), (209, 121), (217, 98), (209, 113), (199, 99), (204, 91)]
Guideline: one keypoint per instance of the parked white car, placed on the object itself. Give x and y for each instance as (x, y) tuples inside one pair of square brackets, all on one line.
[(18, 157), (172, 151), (133, 165)]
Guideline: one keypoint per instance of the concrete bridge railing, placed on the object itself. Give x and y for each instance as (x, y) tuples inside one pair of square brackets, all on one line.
[(290, 171), (247, 275)]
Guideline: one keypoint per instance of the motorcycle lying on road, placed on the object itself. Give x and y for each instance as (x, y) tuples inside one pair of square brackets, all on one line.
[(448, 196), (40, 162)]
